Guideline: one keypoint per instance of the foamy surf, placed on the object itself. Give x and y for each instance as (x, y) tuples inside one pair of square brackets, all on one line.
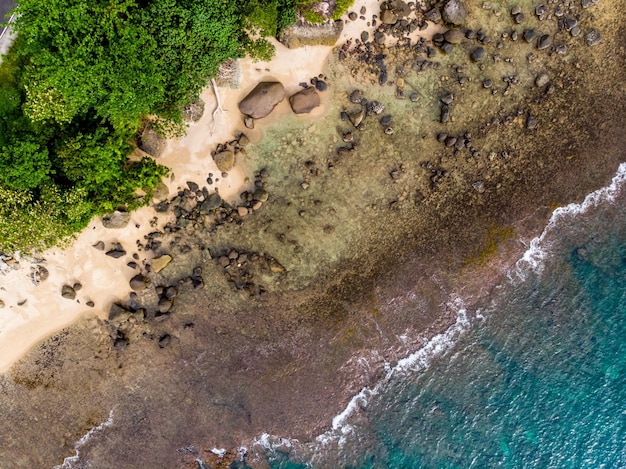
[(539, 247), (71, 461), (418, 361)]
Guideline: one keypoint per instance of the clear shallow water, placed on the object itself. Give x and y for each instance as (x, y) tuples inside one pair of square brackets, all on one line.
[(538, 380)]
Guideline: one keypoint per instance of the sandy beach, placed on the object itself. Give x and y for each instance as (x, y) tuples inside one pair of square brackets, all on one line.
[(34, 311), (377, 229)]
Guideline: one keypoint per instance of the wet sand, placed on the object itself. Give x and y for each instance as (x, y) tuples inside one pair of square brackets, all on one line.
[(369, 290)]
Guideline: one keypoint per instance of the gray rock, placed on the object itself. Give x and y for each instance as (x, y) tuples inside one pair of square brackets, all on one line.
[(152, 143), (248, 122), (454, 12), (304, 101), (477, 54), (139, 282), (224, 160), (68, 292), (542, 79), (356, 96), (593, 38), (262, 99), (531, 122), (116, 220), (212, 202), (99, 245)]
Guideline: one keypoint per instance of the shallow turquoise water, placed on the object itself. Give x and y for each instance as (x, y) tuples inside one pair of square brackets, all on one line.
[(537, 381)]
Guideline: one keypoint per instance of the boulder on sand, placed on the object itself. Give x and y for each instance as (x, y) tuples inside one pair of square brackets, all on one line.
[(152, 143), (262, 99), (304, 101), (116, 220)]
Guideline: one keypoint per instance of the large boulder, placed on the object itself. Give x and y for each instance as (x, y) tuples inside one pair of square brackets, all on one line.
[(152, 143), (116, 220), (454, 12), (304, 101), (262, 99), (224, 160)]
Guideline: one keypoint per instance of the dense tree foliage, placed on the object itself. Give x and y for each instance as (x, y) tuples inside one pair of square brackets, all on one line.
[(82, 78)]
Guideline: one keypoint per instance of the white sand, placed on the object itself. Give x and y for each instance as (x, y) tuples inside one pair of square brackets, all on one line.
[(104, 279)]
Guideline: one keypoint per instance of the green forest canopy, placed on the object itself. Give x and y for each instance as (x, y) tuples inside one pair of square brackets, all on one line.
[(78, 84)]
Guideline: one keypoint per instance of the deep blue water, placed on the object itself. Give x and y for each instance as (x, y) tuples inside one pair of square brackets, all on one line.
[(538, 380)]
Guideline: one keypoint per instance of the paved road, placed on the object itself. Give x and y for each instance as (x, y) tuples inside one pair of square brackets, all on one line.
[(5, 7)]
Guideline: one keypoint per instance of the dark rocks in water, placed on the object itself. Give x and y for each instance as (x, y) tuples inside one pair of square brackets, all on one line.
[(448, 98), (261, 195), (68, 292), (441, 137), (477, 54), (530, 35), (446, 47), (356, 96), (375, 107), (445, 114), (139, 282), (357, 116), (165, 305), (383, 78), (116, 220), (487, 83), (212, 202), (164, 340), (321, 85), (305, 101), (519, 18), (262, 99), (454, 36), (531, 122), (593, 38), (454, 12), (544, 42), (385, 120)]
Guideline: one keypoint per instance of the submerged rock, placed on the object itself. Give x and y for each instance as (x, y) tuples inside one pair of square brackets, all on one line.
[(224, 160)]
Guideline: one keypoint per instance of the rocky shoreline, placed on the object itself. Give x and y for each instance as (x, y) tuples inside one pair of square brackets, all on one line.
[(436, 160)]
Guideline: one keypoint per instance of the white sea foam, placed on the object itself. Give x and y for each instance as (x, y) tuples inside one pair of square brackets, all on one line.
[(539, 247), (69, 462), (417, 361)]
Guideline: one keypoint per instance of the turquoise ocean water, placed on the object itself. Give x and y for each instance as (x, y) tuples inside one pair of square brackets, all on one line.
[(535, 378)]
